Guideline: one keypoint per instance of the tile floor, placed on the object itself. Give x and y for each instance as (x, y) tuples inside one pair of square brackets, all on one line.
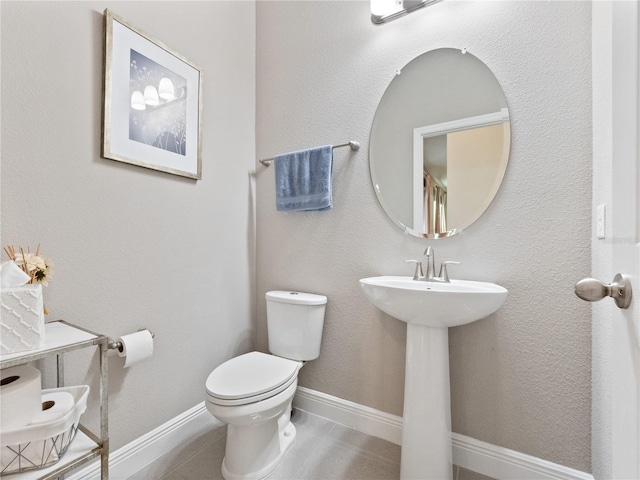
[(323, 450)]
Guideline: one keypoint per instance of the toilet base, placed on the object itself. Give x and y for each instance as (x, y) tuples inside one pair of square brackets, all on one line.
[(258, 434), (276, 448)]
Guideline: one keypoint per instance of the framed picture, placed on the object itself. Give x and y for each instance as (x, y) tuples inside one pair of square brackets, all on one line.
[(152, 103)]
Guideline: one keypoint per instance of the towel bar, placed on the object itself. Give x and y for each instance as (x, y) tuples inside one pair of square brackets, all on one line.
[(355, 146)]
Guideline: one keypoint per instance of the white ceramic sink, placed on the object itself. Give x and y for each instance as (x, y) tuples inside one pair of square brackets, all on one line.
[(429, 308), (434, 304)]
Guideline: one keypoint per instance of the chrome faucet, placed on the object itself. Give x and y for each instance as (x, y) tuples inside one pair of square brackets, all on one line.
[(431, 263), (429, 275)]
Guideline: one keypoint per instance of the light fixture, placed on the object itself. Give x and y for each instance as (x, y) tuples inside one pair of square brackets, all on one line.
[(137, 100), (166, 89), (151, 96), (386, 10)]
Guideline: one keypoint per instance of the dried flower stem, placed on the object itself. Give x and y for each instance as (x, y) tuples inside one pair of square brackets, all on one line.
[(24, 264), (11, 253)]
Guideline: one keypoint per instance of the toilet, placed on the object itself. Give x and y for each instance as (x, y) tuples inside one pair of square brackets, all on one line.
[(252, 393)]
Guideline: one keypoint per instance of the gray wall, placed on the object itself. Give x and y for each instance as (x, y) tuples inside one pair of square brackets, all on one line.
[(521, 378), (133, 247)]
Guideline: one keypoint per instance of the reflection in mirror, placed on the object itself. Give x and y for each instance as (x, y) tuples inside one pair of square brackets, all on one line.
[(437, 158), (463, 157)]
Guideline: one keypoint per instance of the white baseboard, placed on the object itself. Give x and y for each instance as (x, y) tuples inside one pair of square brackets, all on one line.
[(481, 457), (475, 455), (143, 451), (359, 417), (502, 463)]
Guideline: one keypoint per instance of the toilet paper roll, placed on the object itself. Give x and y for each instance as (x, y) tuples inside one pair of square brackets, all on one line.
[(55, 405), (20, 396), (136, 347)]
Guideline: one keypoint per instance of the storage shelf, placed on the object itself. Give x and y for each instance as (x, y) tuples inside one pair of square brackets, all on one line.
[(62, 337)]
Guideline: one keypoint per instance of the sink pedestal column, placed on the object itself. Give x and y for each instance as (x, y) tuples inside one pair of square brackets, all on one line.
[(426, 428)]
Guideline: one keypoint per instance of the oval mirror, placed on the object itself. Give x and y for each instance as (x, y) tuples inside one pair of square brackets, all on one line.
[(439, 143)]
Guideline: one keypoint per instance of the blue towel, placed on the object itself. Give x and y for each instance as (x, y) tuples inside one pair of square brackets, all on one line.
[(303, 180)]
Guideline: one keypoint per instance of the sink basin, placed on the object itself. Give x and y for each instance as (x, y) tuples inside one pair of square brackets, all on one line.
[(434, 304)]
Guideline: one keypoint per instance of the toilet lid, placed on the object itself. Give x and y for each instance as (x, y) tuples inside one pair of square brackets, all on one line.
[(296, 298), (250, 375)]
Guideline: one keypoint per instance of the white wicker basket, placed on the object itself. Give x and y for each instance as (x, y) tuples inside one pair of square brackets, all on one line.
[(42, 445)]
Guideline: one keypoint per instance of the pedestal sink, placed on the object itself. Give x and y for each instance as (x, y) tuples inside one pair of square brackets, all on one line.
[(429, 308)]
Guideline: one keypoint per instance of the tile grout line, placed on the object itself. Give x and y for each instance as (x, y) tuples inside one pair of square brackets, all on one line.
[(322, 438), (174, 471)]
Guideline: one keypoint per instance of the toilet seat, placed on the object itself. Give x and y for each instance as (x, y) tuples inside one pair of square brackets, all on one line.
[(250, 378)]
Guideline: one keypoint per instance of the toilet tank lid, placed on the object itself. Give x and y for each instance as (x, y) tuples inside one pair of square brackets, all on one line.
[(296, 298)]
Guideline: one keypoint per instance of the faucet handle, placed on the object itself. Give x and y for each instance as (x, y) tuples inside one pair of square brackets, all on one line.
[(418, 273), (444, 275)]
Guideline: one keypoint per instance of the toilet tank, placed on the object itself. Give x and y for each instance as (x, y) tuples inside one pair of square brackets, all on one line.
[(294, 321)]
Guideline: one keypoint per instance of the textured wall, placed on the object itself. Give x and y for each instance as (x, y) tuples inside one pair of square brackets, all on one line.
[(133, 247), (521, 378)]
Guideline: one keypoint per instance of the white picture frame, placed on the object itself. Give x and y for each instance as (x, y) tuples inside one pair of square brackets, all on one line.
[(152, 103)]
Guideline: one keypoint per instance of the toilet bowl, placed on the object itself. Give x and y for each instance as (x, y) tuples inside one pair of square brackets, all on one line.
[(252, 393)]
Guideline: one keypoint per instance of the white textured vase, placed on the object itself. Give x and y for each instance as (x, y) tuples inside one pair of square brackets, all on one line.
[(21, 319)]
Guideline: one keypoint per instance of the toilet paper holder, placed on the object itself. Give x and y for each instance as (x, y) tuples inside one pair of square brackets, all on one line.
[(115, 345)]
